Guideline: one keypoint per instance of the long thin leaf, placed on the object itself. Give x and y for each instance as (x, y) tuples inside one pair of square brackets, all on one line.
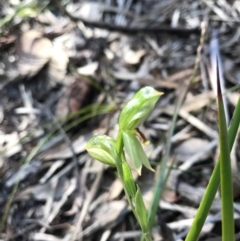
[(163, 172), (214, 181), (225, 170)]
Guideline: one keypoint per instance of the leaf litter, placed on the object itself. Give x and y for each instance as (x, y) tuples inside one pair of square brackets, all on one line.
[(66, 70)]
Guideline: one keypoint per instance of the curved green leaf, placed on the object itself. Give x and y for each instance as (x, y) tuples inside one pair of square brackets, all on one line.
[(135, 151)]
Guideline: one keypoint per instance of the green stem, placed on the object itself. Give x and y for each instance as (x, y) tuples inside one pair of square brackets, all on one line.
[(213, 184), (148, 236), (119, 165), (119, 143)]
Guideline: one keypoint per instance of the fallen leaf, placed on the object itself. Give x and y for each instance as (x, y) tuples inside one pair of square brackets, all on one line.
[(90, 11), (133, 57), (33, 51), (76, 96), (88, 70), (57, 65), (45, 237), (62, 150), (189, 147), (9, 144), (107, 216), (23, 173), (39, 192)]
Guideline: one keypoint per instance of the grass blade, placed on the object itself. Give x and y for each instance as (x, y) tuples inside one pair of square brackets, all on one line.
[(225, 171), (214, 181), (162, 174)]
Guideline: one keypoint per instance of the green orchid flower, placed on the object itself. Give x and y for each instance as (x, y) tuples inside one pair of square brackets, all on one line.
[(102, 148), (137, 110)]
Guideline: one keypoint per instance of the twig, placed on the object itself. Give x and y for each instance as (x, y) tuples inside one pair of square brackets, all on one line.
[(22, 232), (131, 30), (86, 204), (68, 142)]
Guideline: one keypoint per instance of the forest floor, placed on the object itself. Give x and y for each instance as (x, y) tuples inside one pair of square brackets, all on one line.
[(66, 70)]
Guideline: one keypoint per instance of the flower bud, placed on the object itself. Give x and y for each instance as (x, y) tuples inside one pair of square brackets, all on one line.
[(102, 148), (137, 110)]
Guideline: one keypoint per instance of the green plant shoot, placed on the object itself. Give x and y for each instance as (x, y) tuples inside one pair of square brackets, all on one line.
[(111, 152)]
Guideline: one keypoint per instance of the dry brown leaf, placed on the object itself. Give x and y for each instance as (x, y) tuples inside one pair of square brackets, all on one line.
[(75, 207), (23, 173), (196, 102), (33, 51), (57, 65), (39, 192), (6, 41), (91, 11), (132, 57), (170, 196), (63, 151), (233, 98), (189, 147), (107, 216), (117, 187), (115, 190), (9, 144), (45, 237), (76, 96), (89, 69)]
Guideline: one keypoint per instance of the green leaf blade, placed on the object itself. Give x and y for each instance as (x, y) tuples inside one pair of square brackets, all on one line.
[(213, 183), (135, 151), (225, 171), (141, 211), (128, 180)]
